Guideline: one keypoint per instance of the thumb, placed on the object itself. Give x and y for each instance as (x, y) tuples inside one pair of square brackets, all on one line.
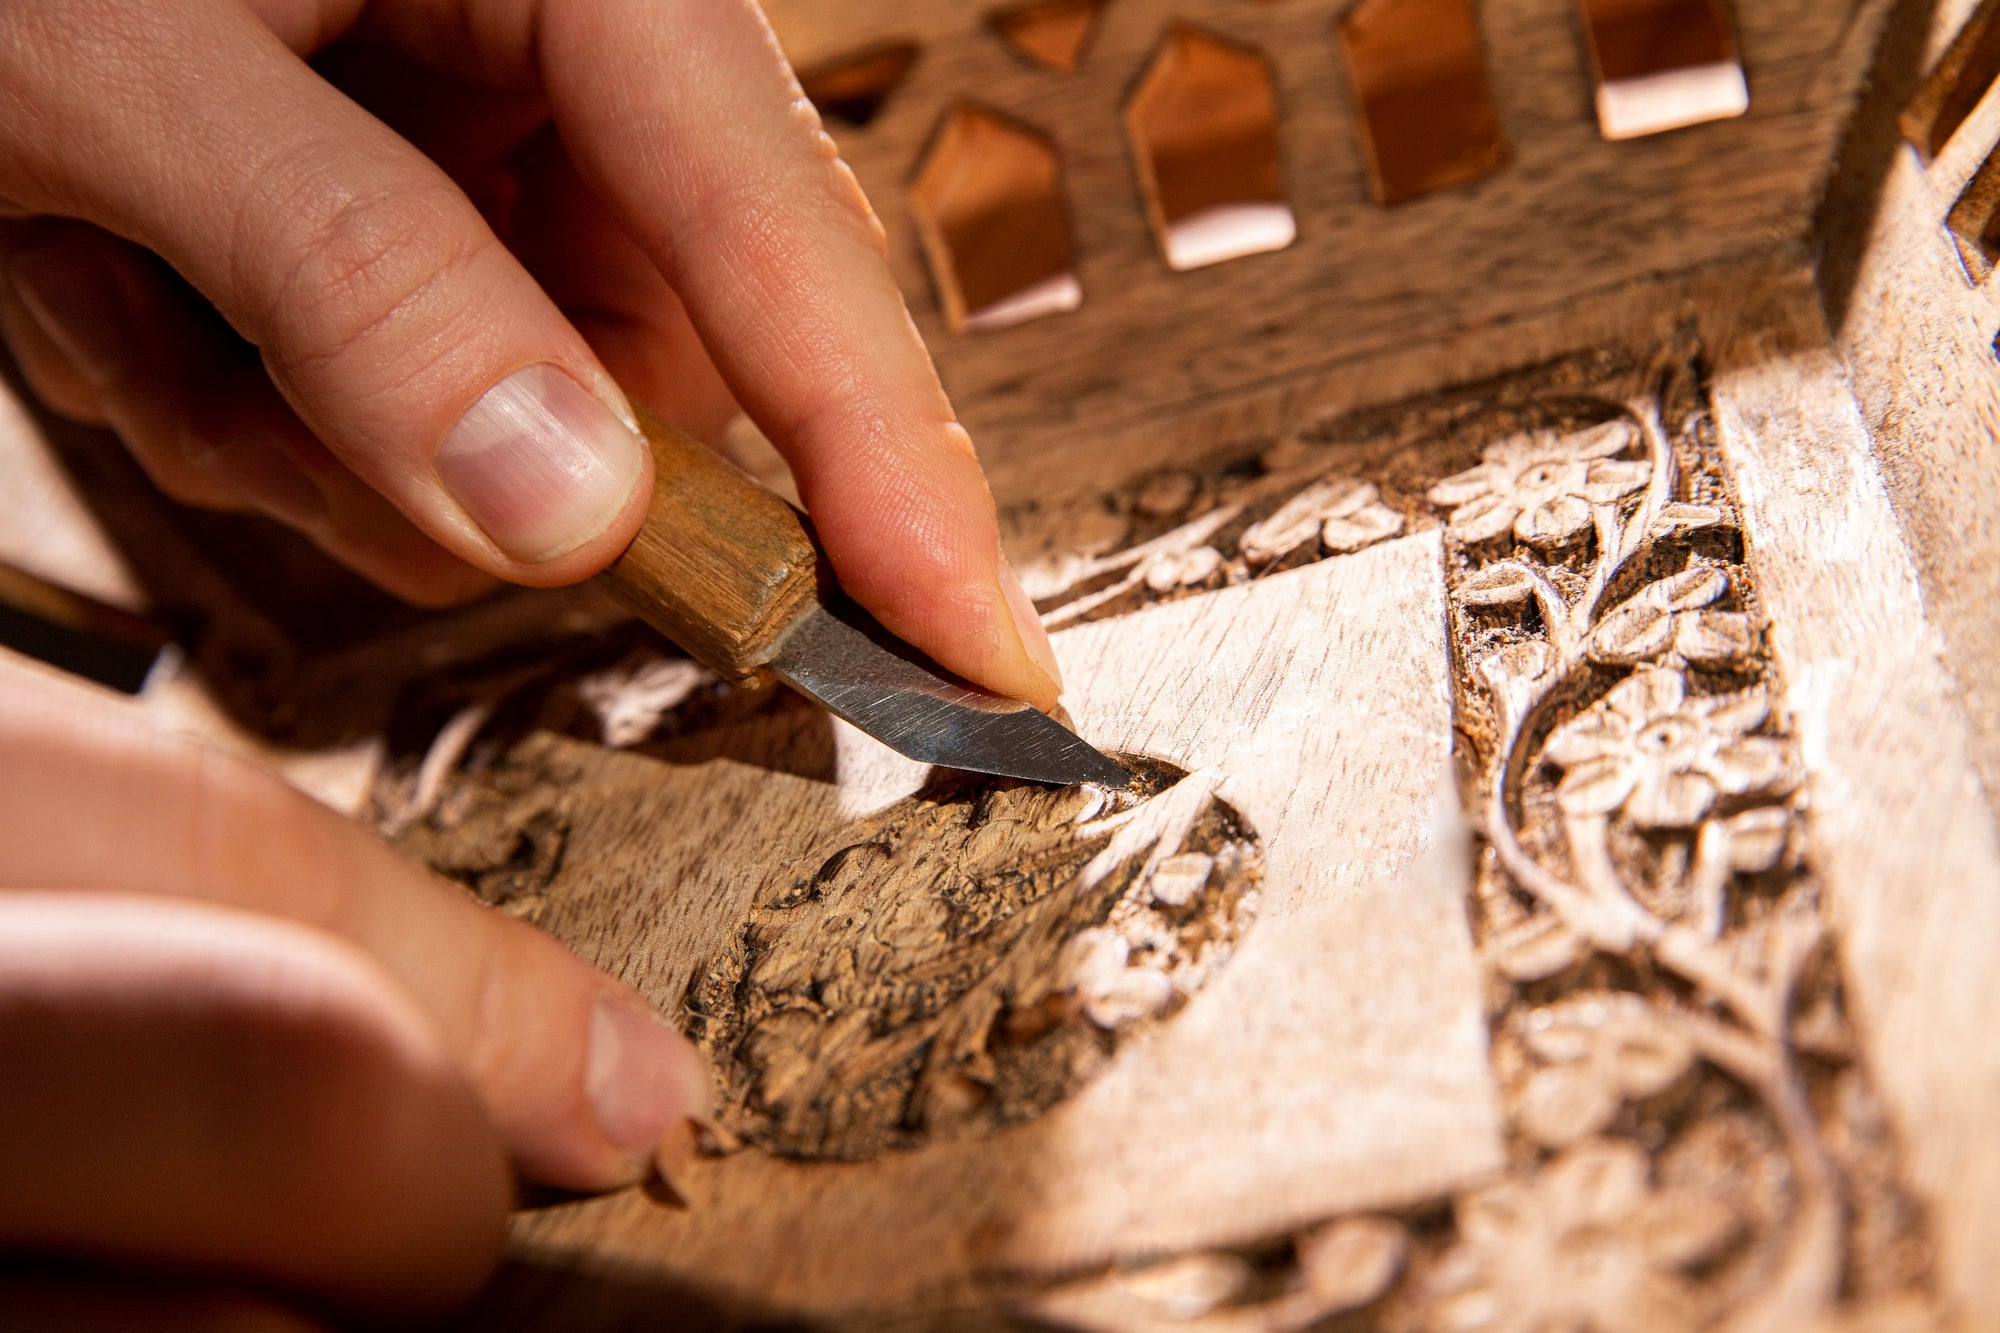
[(389, 315)]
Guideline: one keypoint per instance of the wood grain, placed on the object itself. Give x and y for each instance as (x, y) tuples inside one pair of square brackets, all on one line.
[(1906, 836), (1417, 1085), (1917, 337)]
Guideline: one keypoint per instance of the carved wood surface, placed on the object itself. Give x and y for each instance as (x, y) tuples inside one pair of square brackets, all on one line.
[(1917, 336), (1597, 1111), (1324, 724), (1572, 214), (1673, 914), (1683, 1022)]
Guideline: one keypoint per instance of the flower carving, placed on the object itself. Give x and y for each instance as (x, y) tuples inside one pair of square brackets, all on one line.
[(1588, 1243), (1167, 570), (1670, 622), (1343, 513), (1664, 758), (1598, 1049), (1541, 486)]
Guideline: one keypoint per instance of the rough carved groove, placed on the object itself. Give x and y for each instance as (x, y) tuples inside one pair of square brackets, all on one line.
[(968, 958)]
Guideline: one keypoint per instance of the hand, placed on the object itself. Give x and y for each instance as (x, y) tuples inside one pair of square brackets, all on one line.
[(246, 1043), (444, 273)]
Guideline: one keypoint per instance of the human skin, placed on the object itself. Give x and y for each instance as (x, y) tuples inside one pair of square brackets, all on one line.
[(390, 297)]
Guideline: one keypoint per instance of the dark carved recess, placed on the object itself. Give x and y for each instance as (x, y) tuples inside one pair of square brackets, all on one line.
[(966, 959)]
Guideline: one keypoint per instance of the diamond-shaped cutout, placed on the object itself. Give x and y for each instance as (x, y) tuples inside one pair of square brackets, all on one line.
[(855, 87), (1204, 129), (1662, 65), (1426, 111), (989, 208), (1051, 34)]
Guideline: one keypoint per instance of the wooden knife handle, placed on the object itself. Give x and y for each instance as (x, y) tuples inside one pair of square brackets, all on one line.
[(723, 567)]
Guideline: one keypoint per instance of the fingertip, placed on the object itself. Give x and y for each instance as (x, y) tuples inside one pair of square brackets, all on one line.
[(644, 1081)]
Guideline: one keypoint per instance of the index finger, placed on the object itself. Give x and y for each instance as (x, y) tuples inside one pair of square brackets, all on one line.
[(685, 118)]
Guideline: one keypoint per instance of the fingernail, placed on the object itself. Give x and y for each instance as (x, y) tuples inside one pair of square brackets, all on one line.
[(78, 306), (1029, 621), (540, 465), (642, 1077)]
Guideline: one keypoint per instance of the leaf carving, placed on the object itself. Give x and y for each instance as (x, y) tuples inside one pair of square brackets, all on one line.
[(1599, 1048), (1683, 517), (1502, 584), (1671, 622)]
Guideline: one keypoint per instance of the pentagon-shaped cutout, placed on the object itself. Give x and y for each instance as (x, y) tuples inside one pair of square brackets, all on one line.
[(989, 208), (1662, 65), (855, 87), (1049, 34), (1964, 75), (1426, 110), (1203, 123)]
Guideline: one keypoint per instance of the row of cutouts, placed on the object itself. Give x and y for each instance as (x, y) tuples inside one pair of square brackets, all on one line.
[(1203, 128)]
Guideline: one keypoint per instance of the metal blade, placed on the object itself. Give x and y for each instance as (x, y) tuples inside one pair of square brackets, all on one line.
[(838, 655)]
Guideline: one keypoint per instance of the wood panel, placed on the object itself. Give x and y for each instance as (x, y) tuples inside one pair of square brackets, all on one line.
[(1572, 214)]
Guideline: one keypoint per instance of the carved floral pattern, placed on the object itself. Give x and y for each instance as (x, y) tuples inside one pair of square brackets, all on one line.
[(1668, 622), (1598, 1050), (1662, 759), (1643, 909), (1296, 510), (1588, 1241), (1541, 486), (1668, 1028)]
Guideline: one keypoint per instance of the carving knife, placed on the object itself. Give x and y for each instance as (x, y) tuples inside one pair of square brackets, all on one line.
[(734, 575)]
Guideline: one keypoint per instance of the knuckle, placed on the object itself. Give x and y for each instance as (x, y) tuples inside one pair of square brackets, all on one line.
[(366, 264)]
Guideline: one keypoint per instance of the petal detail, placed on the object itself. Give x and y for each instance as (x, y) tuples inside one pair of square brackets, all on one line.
[(1646, 694), (1598, 787), (1483, 519), (1513, 454), (1755, 764), (1613, 479), (1715, 636), (1561, 1105), (1297, 520), (1598, 1184), (1695, 587), (1365, 527), (1670, 800), (1635, 632), (1473, 484), (1599, 441), (1596, 734), (1551, 524), (1731, 715)]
